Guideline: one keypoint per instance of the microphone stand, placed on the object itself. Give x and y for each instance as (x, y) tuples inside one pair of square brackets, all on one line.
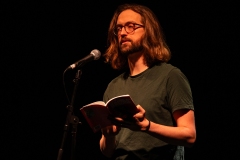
[(71, 120)]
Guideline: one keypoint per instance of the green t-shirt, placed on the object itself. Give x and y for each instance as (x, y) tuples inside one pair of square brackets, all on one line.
[(160, 90)]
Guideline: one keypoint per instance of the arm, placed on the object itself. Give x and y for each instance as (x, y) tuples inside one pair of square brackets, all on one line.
[(179, 94), (184, 133), (107, 141)]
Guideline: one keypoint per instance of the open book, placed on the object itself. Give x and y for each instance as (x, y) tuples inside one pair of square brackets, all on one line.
[(97, 113)]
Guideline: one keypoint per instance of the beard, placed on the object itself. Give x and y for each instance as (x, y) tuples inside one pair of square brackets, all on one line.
[(133, 47)]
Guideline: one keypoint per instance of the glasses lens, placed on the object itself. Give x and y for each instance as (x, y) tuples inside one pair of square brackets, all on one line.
[(117, 29), (129, 28)]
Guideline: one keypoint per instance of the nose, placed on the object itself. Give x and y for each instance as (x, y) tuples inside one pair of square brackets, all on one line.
[(123, 31)]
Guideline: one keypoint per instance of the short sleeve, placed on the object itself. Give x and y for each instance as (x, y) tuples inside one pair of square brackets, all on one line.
[(179, 94)]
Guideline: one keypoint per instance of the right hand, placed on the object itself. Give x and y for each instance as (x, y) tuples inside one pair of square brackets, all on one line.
[(110, 130)]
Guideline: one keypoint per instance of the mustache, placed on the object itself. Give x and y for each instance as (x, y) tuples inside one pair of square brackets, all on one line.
[(124, 40)]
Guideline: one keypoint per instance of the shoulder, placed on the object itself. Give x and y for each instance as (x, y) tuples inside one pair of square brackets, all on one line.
[(169, 70), (118, 79), (167, 73), (113, 87), (163, 70)]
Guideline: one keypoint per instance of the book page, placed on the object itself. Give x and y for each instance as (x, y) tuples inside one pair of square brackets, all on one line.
[(96, 116), (117, 97), (101, 103)]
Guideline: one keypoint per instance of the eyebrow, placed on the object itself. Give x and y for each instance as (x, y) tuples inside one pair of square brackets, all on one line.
[(126, 23)]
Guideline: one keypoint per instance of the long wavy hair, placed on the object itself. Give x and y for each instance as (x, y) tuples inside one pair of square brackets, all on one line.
[(155, 49)]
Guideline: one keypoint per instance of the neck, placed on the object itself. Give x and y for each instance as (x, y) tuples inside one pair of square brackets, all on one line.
[(136, 63)]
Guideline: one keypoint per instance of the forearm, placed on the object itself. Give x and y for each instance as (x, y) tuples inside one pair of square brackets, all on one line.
[(184, 133), (173, 135), (107, 145)]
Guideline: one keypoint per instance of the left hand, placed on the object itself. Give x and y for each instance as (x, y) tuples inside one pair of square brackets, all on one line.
[(140, 123)]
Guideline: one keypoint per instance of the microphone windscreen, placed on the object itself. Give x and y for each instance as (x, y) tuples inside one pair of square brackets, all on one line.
[(96, 54)]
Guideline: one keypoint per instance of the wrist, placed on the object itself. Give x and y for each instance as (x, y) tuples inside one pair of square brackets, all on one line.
[(108, 136), (146, 128)]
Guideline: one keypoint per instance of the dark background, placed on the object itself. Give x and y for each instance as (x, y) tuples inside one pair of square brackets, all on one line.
[(41, 39)]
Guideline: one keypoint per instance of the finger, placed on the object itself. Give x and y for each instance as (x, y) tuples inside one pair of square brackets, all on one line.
[(117, 121), (113, 118), (140, 115), (140, 108)]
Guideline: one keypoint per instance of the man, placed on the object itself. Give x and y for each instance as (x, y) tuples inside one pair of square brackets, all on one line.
[(165, 121)]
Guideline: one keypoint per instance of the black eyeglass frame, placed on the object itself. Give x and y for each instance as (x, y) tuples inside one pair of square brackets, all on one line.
[(135, 26)]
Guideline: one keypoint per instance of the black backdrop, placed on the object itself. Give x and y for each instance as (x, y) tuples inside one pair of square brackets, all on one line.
[(40, 39)]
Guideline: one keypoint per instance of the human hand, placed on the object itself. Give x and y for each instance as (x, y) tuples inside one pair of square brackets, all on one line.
[(139, 123), (110, 130)]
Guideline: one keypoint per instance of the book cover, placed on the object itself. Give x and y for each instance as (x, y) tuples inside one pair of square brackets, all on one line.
[(97, 113)]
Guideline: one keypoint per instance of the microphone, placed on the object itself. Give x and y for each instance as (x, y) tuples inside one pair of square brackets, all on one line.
[(94, 55)]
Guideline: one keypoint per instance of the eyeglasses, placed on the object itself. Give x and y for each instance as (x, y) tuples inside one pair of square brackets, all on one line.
[(129, 28)]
